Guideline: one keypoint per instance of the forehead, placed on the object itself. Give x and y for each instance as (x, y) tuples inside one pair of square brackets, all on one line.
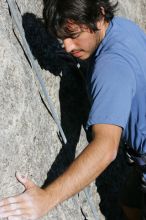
[(72, 26)]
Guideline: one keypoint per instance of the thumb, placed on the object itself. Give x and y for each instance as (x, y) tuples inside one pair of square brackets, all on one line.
[(25, 181)]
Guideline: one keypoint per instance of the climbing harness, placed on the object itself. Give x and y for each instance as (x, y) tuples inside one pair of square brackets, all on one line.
[(138, 160)]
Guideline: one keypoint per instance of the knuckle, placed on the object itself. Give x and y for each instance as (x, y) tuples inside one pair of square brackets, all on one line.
[(24, 217), (11, 200), (18, 212), (13, 206)]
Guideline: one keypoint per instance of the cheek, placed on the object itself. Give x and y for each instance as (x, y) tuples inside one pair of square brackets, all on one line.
[(87, 43), (92, 46)]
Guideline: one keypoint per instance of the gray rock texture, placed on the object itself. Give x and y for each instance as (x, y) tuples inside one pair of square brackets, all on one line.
[(29, 140), (134, 10)]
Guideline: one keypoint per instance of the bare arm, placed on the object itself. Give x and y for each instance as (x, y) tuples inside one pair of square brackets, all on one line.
[(85, 168), (89, 164)]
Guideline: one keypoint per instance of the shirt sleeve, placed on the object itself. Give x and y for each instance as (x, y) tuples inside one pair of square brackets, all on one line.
[(112, 87)]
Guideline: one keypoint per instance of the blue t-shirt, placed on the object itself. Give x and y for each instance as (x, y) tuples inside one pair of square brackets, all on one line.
[(117, 82)]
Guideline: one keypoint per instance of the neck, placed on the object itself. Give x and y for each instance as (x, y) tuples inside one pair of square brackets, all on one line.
[(105, 27), (102, 31)]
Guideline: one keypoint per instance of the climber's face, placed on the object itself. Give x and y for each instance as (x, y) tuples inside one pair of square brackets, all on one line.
[(82, 41)]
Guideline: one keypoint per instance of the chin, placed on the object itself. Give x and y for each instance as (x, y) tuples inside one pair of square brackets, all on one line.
[(85, 57)]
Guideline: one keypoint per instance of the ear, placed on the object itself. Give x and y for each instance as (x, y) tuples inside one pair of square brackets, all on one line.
[(101, 22), (102, 11)]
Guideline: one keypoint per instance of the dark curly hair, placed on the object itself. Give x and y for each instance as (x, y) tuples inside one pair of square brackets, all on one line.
[(82, 12)]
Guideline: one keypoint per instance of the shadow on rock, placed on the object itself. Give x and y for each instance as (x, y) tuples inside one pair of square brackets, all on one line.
[(44, 47)]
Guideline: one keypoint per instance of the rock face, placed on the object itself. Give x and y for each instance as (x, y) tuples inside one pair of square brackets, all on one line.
[(134, 10), (29, 140)]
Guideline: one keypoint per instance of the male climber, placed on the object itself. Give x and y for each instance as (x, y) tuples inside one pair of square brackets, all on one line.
[(116, 82)]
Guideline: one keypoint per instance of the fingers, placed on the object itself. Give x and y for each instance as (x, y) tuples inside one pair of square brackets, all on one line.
[(24, 206), (11, 206), (16, 218), (16, 213), (11, 200), (28, 184), (13, 211)]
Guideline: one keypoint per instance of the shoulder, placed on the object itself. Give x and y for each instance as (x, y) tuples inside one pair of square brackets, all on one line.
[(112, 65), (112, 88), (119, 20)]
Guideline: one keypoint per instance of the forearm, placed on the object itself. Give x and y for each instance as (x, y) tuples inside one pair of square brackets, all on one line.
[(85, 168)]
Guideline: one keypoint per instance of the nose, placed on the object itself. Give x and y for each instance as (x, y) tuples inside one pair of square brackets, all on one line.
[(68, 45)]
